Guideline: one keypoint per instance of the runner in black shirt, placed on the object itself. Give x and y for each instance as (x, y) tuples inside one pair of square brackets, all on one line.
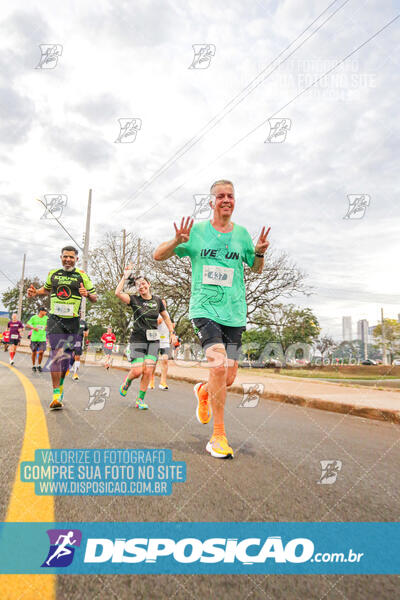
[(144, 340)]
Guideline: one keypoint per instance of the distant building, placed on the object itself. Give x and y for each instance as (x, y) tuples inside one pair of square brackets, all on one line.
[(362, 330), (362, 334), (347, 331)]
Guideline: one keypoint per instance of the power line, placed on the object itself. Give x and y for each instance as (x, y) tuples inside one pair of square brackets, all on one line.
[(234, 102), (7, 277), (274, 114)]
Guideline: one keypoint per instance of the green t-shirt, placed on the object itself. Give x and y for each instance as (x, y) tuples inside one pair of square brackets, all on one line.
[(218, 291), (65, 300), (40, 323)]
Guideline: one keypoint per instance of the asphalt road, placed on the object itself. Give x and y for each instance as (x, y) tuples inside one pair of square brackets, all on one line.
[(273, 478)]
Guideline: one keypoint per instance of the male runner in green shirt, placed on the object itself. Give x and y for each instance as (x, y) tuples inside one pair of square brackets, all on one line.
[(38, 324), (218, 310), (66, 287)]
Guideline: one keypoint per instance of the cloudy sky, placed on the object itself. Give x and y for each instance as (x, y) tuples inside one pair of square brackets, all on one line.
[(130, 60)]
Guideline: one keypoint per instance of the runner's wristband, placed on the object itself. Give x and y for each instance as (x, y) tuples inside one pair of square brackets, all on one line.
[(259, 255)]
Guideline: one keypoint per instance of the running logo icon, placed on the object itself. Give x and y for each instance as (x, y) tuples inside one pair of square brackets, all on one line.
[(278, 129), (203, 54), (128, 129), (202, 208), (251, 394), (62, 547), (49, 56), (55, 204), (330, 470), (97, 397), (358, 204)]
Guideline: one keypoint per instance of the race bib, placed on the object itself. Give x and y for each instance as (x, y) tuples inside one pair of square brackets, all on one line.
[(152, 335), (40, 327), (14, 336), (63, 310), (214, 275), (78, 344), (109, 345)]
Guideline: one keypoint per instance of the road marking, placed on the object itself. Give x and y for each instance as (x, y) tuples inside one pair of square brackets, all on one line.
[(24, 505)]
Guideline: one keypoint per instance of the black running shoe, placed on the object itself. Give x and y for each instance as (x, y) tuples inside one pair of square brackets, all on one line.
[(34, 369)]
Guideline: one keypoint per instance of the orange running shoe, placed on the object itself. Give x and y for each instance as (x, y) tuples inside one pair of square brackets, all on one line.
[(218, 447), (203, 410)]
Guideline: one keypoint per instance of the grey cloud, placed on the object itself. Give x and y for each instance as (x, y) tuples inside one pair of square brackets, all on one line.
[(83, 146), (103, 108), (16, 116)]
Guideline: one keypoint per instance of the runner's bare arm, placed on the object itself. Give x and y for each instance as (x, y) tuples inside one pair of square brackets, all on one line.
[(168, 322), (32, 292), (261, 248), (83, 292), (182, 234), (126, 299)]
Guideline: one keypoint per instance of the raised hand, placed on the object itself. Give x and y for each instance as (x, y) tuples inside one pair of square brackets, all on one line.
[(31, 291), (263, 243), (83, 291), (182, 234), (127, 270)]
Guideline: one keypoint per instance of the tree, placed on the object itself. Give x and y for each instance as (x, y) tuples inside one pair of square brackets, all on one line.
[(30, 306), (391, 335), (289, 324), (171, 280), (325, 344)]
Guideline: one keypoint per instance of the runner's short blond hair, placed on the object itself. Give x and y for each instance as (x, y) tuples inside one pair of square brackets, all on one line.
[(221, 182)]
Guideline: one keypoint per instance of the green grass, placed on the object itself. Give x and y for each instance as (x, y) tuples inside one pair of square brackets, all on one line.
[(317, 374)]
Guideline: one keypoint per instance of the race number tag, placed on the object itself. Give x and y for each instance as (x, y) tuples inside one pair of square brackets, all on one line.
[(64, 310), (14, 336), (109, 345), (214, 275), (152, 335), (40, 327)]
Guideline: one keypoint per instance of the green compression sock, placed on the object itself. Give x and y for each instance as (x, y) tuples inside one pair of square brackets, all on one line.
[(141, 394)]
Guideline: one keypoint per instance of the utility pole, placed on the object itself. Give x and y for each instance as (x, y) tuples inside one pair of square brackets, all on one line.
[(21, 290), (85, 257), (123, 250), (383, 339), (138, 258)]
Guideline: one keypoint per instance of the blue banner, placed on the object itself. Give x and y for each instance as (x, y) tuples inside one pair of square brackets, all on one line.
[(209, 548)]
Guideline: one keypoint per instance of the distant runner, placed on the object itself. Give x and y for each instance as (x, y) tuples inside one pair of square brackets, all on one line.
[(66, 287), (163, 353), (5, 340), (15, 326), (217, 250), (79, 347), (144, 340), (108, 340), (38, 324)]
